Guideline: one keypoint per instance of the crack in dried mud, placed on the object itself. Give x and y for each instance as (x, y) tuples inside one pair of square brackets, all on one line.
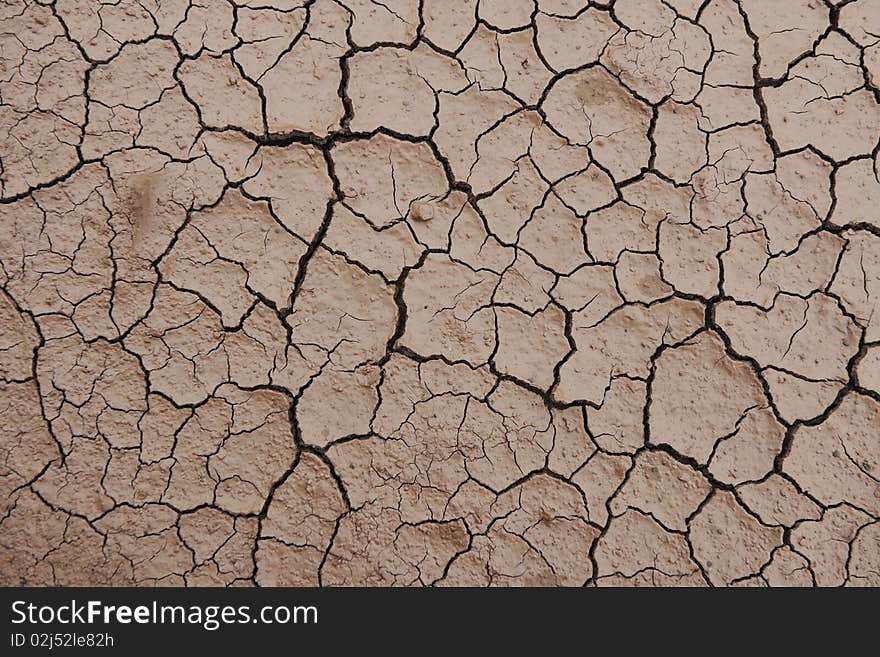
[(417, 292)]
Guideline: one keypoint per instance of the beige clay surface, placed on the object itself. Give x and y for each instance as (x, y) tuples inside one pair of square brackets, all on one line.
[(440, 292)]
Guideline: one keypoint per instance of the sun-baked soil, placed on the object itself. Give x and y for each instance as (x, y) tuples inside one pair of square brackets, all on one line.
[(440, 292)]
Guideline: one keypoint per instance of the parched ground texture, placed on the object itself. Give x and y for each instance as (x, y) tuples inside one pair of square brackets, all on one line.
[(440, 292)]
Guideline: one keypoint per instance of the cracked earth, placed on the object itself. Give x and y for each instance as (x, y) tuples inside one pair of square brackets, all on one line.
[(431, 292)]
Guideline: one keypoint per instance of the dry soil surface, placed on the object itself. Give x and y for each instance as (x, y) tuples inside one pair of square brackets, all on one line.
[(440, 292)]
